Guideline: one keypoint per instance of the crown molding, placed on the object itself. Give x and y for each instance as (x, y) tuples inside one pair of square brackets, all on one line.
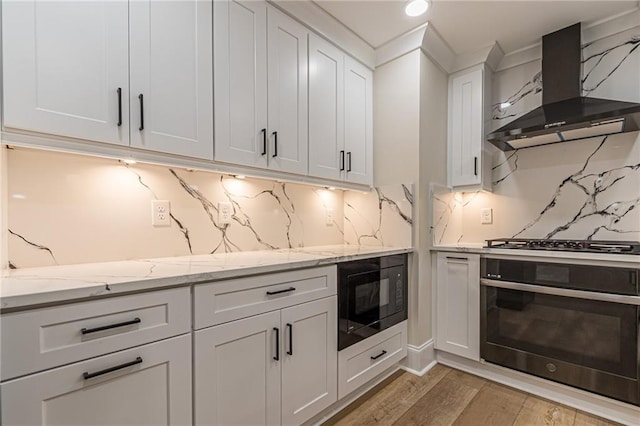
[(328, 27)]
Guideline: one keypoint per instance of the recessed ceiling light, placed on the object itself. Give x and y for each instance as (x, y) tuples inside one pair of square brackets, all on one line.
[(416, 7), (504, 105)]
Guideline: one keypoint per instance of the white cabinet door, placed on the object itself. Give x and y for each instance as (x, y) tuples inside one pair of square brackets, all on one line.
[(466, 128), (287, 87), (326, 109), (240, 82), (65, 68), (458, 304), (171, 77), (310, 363), (150, 385), (358, 122), (237, 380)]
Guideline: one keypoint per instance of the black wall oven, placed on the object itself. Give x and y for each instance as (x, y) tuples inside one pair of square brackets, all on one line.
[(372, 296), (572, 323)]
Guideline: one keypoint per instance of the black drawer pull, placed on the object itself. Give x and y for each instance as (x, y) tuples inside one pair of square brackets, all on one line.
[(457, 258), (277, 357), (348, 161), (141, 128), (119, 106), (87, 375), (383, 353), (275, 144), (264, 142), (286, 290), (475, 166), (290, 327), (341, 161), (107, 327)]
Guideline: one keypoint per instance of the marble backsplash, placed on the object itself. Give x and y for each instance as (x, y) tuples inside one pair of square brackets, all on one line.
[(586, 189), (69, 209)]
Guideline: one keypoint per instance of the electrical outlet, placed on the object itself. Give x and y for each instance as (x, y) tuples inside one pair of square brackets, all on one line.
[(225, 211), (329, 217), (160, 213), (486, 216)]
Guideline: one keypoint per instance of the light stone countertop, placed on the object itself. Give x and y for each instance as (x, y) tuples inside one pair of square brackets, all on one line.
[(619, 260), (21, 288)]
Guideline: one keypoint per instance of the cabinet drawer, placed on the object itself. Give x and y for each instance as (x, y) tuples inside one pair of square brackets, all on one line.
[(44, 338), (146, 385), (363, 361), (224, 301)]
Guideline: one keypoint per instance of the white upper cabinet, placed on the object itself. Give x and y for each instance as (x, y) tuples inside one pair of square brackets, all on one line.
[(65, 68), (340, 115), (258, 50), (358, 122), (171, 77), (287, 88), (240, 82), (133, 73), (469, 161), (326, 109)]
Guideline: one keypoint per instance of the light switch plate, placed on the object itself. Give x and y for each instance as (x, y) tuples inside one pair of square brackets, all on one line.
[(329, 217), (486, 216)]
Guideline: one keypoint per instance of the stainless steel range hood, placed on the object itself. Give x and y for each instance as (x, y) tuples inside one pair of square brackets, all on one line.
[(565, 115)]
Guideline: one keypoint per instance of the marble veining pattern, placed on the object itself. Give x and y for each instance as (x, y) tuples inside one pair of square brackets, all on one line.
[(99, 210), (592, 185), (598, 67), (382, 217)]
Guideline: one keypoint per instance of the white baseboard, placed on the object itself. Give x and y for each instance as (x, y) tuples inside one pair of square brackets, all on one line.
[(420, 359), (585, 401)]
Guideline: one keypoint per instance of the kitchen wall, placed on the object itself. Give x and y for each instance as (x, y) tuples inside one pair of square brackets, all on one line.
[(577, 190), (66, 209)]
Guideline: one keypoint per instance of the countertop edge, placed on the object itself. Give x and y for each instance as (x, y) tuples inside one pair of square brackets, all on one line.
[(87, 288)]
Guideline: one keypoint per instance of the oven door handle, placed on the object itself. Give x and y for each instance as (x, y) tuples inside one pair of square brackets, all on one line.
[(556, 291)]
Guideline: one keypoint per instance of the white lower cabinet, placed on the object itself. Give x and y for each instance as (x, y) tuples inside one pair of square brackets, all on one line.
[(274, 368), (363, 361), (146, 385), (458, 304)]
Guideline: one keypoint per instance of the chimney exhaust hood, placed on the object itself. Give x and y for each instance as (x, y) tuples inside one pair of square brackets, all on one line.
[(565, 115)]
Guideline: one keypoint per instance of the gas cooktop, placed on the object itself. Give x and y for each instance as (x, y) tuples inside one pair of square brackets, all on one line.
[(587, 246)]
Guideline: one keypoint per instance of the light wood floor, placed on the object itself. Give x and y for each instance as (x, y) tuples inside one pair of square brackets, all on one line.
[(445, 396)]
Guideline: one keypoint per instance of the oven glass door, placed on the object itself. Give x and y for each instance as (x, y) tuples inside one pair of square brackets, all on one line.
[(373, 296), (595, 334)]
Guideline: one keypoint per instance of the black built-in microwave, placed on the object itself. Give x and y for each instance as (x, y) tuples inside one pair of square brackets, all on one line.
[(372, 296)]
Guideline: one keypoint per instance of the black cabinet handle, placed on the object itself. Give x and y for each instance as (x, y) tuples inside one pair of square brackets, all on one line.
[(107, 327), (286, 290), (277, 357), (341, 161), (119, 106), (290, 327), (141, 98), (457, 258), (264, 142), (275, 144), (87, 375), (475, 166), (349, 161), (379, 355)]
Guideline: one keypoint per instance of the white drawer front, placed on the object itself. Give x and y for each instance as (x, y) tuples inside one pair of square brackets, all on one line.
[(49, 337), (356, 365), (224, 301), (146, 385)]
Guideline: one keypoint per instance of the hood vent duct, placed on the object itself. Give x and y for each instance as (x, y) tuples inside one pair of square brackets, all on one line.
[(565, 114)]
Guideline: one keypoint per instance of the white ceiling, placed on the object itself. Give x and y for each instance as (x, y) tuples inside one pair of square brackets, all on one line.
[(471, 25)]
